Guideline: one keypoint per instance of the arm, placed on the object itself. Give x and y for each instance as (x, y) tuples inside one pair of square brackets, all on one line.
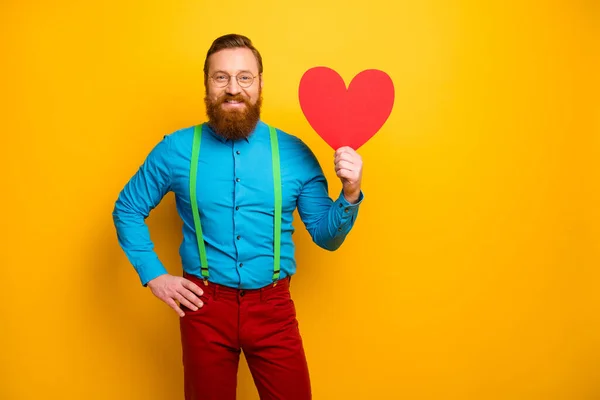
[(141, 194), (329, 222)]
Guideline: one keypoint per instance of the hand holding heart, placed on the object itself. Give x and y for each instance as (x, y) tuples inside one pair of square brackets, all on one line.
[(346, 118), (348, 167)]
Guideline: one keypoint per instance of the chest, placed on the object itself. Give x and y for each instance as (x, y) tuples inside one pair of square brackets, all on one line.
[(238, 174)]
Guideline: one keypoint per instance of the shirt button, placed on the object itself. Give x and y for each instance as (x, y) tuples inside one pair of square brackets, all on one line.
[(239, 237), (237, 208), (341, 205), (339, 229), (242, 293), (347, 209), (237, 152), (237, 179), (241, 265)]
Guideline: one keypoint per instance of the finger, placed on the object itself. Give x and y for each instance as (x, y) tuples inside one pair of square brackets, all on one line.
[(344, 157), (182, 300), (345, 149), (344, 165), (346, 174), (190, 296), (353, 158), (171, 303), (186, 283), (345, 162)]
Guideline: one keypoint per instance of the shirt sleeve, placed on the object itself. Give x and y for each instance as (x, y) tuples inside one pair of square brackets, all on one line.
[(327, 221), (142, 194)]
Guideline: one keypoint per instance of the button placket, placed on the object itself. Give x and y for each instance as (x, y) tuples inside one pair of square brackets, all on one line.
[(236, 162)]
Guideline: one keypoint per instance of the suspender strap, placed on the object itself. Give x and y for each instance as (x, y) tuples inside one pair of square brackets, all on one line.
[(276, 190), (194, 200), (278, 196)]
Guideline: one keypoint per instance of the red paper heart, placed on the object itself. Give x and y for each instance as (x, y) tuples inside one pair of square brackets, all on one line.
[(346, 117)]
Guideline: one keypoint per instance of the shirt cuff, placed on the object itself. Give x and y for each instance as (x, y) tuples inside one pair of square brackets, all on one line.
[(151, 270), (342, 202)]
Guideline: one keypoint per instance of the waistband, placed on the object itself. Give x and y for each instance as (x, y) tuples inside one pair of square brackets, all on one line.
[(216, 289)]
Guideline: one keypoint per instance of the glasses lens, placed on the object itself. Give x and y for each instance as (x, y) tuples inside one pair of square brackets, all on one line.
[(245, 79), (221, 79)]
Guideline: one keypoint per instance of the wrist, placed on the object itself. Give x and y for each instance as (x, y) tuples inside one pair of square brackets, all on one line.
[(352, 197), (152, 282)]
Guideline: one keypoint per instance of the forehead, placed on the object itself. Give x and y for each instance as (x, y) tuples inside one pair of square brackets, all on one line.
[(233, 61)]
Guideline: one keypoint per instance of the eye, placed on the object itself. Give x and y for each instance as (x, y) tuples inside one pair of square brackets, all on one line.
[(245, 78), (221, 78)]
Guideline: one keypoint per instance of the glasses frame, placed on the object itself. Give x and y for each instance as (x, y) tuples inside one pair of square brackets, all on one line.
[(243, 85)]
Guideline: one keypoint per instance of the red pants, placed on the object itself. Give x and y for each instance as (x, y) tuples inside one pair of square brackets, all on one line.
[(260, 322)]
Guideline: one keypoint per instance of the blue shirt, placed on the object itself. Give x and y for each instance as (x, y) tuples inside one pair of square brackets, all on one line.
[(236, 203)]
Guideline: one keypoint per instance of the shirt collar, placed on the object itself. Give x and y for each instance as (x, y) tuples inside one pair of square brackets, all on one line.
[(251, 137)]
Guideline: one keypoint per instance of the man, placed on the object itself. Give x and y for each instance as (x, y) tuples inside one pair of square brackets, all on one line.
[(237, 182)]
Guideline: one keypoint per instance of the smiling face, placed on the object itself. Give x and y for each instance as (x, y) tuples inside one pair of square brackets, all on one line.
[(233, 109)]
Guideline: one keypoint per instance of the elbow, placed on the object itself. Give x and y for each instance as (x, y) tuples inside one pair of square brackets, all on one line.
[(331, 248), (331, 244), (124, 212), (118, 211)]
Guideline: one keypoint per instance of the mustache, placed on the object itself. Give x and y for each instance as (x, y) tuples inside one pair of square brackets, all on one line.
[(229, 97)]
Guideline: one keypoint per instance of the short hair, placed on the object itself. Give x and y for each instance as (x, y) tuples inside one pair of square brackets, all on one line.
[(232, 41)]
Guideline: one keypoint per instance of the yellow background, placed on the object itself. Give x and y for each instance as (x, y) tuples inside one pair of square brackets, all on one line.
[(472, 272)]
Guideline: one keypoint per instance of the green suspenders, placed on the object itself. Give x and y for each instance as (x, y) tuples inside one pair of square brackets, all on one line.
[(276, 189), (194, 200)]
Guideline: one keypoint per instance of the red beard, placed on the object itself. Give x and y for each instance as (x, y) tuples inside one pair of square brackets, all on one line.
[(233, 124)]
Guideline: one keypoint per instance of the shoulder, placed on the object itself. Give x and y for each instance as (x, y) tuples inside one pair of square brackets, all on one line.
[(295, 152), (181, 134), (291, 142), (179, 142)]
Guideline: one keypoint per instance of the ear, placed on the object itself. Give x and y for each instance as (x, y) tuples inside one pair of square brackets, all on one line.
[(262, 83)]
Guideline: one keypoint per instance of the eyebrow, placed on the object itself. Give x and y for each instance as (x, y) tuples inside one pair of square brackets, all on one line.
[(239, 72)]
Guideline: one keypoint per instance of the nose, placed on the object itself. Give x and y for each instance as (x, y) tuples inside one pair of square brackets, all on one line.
[(233, 87)]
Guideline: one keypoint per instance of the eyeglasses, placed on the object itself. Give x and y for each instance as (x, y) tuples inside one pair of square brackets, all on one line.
[(222, 79)]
